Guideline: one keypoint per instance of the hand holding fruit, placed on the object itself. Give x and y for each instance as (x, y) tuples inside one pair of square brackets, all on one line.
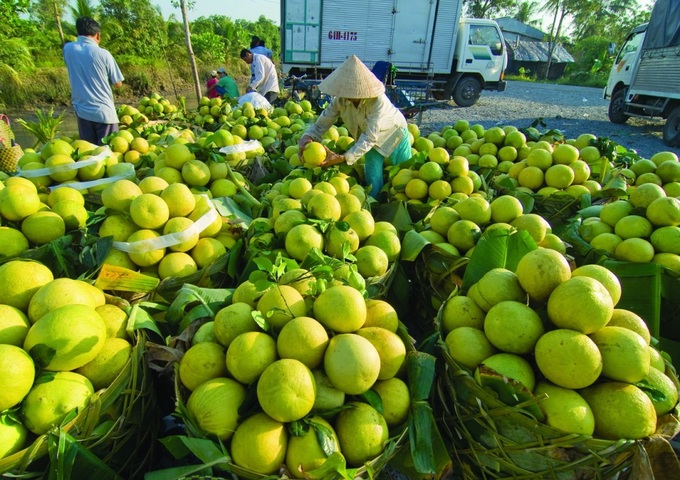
[(304, 140), (332, 158)]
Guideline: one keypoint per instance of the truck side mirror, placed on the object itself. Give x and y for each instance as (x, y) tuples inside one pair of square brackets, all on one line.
[(611, 48)]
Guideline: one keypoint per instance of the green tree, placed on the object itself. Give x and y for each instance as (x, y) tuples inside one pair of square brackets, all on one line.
[(83, 8), (10, 12), (50, 14), (526, 12), (142, 27), (612, 19), (561, 10), (208, 46), (488, 8)]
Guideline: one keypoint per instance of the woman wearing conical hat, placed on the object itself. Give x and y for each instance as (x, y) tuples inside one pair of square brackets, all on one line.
[(377, 125)]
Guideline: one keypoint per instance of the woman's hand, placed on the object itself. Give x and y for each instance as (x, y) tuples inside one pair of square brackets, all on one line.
[(302, 143), (332, 158)]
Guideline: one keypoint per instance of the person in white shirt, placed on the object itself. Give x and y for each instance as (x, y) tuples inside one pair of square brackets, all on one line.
[(378, 127), (265, 80)]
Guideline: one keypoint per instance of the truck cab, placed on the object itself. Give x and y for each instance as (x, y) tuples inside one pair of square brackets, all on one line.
[(645, 78), (621, 74), (480, 61)]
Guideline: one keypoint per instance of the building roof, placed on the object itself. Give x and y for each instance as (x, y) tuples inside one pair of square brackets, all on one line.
[(511, 25), (523, 51)]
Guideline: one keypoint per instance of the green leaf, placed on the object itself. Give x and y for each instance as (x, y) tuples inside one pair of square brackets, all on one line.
[(373, 399), (260, 319), (325, 437), (139, 318), (497, 249), (264, 264), (70, 459), (412, 245), (509, 391), (209, 297), (299, 427), (335, 463), (591, 211)]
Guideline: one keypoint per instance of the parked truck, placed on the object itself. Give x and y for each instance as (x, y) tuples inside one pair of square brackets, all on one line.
[(426, 40), (645, 78)]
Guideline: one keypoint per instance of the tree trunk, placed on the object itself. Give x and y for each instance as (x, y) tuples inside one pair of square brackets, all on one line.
[(190, 50), (553, 40), (57, 17), (554, 43)]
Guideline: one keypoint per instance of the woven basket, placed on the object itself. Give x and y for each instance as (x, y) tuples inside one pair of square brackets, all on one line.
[(10, 157), (6, 133), (117, 428), (491, 439), (167, 358), (10, 153)]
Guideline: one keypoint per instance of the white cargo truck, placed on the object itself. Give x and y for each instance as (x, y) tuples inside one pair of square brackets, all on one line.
[(645, 78), (425, 40)]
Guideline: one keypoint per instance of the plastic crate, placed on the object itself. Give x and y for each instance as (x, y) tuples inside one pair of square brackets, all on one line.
[(650, 291)]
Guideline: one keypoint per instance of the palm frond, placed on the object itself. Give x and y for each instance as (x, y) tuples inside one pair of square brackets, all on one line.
[(46, 128)]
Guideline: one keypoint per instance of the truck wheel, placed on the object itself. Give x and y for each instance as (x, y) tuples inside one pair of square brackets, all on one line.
[(671, 131), (466, 92), (617, 107)]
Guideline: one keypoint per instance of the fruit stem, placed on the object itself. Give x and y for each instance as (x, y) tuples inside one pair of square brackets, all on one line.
[(252, 200)]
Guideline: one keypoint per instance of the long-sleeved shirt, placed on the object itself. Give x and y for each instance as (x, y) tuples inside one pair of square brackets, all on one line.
[(262, 51), (265, 79), (92, 70), (373, 123)]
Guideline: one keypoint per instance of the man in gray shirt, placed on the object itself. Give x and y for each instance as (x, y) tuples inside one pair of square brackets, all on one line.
[(92, 71)]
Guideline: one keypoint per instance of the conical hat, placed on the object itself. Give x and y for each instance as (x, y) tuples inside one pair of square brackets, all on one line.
[(352, 79)]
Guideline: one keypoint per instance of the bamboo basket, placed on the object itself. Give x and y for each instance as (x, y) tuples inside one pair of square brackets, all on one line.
[(114, 435), (492, 440)]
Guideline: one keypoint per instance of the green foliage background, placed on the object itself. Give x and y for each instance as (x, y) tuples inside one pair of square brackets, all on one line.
[(150, 50)]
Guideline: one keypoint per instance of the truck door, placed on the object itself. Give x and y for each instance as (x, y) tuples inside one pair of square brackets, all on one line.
[(482, 50), (412, 34), (624, 63)]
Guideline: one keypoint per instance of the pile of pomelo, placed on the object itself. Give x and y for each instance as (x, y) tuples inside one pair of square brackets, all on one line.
[(457, 226), (458, 154), (556, 334), (330, 216), (81, 164), (327, 372), (320, 367), (645, 226), (59, 344), (154, 106), (158, 228), (251, 123)]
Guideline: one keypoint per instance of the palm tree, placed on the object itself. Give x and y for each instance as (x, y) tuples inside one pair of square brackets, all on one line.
[(83, 8), (525, 13), (560, 10)]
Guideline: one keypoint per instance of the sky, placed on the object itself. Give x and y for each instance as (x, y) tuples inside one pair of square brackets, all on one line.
[(234, 9)]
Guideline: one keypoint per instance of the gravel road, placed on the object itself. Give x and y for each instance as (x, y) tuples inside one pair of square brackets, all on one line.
[(573, 110)]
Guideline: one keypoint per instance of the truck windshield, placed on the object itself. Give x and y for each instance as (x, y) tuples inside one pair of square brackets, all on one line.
[(631, 44), (486, 35)]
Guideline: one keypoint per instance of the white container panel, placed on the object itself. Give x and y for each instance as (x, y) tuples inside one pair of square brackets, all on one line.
[(445, 32), (356, 27), (413, 29)]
